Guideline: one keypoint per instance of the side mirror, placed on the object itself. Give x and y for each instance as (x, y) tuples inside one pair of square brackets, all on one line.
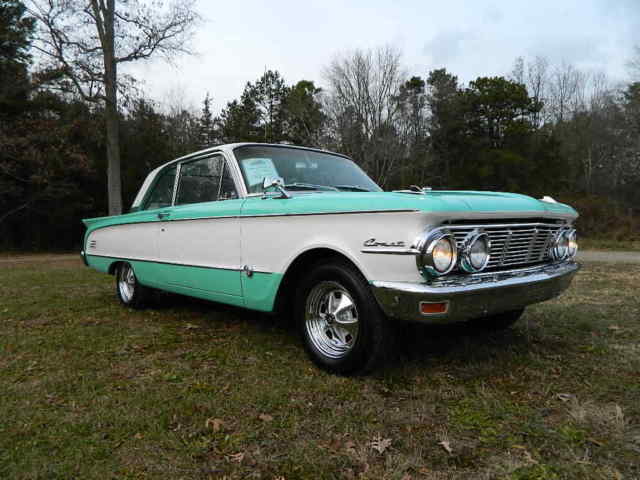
[(274, 182)]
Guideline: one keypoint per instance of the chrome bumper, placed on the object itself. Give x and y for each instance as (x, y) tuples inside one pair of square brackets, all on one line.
[(473, 296)]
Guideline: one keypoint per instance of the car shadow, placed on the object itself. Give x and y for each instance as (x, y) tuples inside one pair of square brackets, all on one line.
[(415, 344)]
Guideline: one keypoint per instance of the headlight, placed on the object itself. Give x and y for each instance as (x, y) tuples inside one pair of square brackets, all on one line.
[(438, 253), (573, 243), (475, 253), (561, 245)]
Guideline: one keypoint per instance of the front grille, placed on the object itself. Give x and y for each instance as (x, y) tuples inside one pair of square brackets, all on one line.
[(513, 245)]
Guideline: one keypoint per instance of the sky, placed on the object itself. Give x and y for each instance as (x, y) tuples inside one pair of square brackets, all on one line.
[(239, 39)]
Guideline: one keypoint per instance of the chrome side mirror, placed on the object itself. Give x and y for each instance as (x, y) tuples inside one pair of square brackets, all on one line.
[(274, 182)]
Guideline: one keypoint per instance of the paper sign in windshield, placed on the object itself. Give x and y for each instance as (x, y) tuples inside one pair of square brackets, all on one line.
[(256, 169)]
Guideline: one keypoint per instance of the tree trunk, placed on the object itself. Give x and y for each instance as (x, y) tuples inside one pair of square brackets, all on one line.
[(114, 181)]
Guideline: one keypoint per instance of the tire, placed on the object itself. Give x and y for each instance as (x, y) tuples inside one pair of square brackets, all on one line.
[(500, 321), (343, 329), (129, 291)]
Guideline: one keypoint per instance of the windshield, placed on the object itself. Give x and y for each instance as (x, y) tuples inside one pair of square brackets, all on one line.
[(301, 170)]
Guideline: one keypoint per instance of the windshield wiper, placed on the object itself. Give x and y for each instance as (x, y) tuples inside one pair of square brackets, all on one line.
[(356, 188), (308, 186)]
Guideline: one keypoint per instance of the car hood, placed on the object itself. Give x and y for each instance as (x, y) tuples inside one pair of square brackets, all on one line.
[(455, 204)]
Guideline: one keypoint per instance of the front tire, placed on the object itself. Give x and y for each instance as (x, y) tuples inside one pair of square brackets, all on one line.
[(342, 327), (129, 291)]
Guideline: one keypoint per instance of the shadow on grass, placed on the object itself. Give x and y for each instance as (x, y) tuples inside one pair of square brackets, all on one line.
[(415, 344)]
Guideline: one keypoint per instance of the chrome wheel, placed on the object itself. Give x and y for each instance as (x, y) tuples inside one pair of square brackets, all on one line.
[(331, 319), (126, 283)]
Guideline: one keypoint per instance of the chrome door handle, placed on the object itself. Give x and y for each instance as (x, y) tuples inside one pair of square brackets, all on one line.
[(163, 215)]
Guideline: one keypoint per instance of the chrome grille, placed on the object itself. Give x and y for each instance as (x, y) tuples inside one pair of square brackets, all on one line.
[(513, 244)]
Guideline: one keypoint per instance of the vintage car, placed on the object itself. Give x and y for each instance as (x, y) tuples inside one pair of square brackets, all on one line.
[(306, 232)]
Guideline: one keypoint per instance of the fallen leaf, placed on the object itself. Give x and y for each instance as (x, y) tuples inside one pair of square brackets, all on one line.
[(529, 458), (236, 457), (565, 397), (215, 424), (350, 447), (446, 445), (265, 417), (380, 444), (595, 442)]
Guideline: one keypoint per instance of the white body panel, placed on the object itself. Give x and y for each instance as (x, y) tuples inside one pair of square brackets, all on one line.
[(271, 244)]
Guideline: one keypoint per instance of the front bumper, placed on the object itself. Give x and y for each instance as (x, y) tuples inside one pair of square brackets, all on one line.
[(477, 295)]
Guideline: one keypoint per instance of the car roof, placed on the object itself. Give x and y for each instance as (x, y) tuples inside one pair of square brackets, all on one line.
[(227, 148)]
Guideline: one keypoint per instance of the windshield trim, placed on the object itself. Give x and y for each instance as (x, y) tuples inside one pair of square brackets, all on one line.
[(294, 147)]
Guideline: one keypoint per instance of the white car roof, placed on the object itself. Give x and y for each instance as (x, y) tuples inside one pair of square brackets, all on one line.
[(226, 148)]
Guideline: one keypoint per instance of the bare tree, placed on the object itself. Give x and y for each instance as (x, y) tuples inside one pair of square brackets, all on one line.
[(86, 40), (362, 104), (563, 89)]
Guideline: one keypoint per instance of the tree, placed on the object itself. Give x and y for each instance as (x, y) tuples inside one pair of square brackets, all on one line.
[(412, 127), (239, 120), (269, 95), (16, 31), (206, 124), (363, 88), (304, 116), (86, 40), (446, 126)]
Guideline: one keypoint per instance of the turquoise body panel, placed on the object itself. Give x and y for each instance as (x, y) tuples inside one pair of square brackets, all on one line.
[(188, 280), (328, 202), (258, 292)]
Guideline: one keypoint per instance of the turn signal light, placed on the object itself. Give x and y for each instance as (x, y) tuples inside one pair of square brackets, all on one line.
[(433, 308)]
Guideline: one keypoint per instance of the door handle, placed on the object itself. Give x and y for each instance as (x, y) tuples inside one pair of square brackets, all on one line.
[(163, 215)]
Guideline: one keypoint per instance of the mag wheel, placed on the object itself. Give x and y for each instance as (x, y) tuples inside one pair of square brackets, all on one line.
[(130, 292), (342, 327)]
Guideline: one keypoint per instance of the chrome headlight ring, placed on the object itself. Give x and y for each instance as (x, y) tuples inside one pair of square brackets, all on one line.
[(573, 242), (471, 241), (427, 246), (561, 249)]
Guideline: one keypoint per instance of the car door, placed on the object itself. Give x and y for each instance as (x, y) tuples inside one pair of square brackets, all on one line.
[(199, 236)]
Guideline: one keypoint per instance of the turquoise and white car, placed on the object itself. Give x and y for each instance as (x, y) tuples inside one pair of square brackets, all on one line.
[(306, 232)]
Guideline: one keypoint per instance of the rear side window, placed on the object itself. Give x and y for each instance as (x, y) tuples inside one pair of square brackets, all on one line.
[(162, 193), (200, 180)]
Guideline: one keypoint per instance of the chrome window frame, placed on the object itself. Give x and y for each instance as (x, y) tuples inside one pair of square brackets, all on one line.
[(226, 165)]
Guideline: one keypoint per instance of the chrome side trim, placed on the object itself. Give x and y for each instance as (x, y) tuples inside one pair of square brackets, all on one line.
[(178, 264), (391, 250)]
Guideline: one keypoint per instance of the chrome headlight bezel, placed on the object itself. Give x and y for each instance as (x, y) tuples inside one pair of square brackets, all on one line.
[(572, 236), (560, 247), (470, 241), (426, 247)]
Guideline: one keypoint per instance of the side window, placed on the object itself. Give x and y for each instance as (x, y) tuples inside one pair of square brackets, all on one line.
[(200, 180), (162, 193), (227, 187)]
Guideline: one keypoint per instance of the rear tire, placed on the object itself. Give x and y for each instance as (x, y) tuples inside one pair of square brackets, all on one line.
[(500, 321), (343, 329), (129, 291)]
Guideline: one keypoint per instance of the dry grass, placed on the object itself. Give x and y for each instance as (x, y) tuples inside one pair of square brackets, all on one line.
[(194, 390)]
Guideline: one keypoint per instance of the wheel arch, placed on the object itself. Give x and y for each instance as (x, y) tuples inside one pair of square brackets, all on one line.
[(114, 266), (298, 267)]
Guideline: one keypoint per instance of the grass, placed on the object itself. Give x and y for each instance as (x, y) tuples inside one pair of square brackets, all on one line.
[(193, 390)]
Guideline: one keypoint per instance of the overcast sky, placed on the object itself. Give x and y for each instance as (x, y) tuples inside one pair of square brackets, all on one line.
[(241, 38)]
